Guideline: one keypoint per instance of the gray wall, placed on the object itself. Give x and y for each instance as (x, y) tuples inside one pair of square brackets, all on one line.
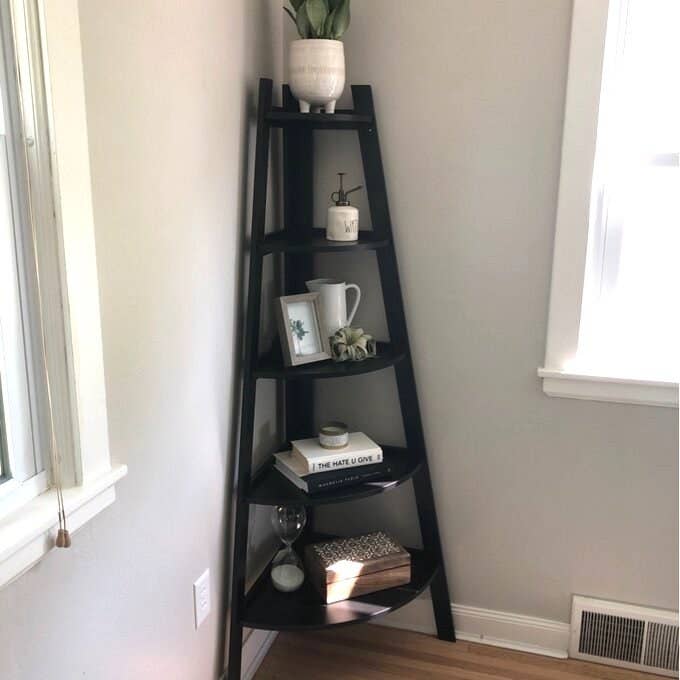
[(538, 497), (170, 99)]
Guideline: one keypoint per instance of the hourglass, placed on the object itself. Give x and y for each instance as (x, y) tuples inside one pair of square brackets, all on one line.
[(287, 571)]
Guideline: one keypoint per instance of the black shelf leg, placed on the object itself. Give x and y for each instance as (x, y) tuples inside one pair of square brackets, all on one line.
[(236, 602), (429, 531), (396, 322), (298, 217), (252, 333)]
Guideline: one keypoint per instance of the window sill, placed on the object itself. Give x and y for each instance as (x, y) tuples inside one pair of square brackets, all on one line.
[(601, 388), (28, 534)]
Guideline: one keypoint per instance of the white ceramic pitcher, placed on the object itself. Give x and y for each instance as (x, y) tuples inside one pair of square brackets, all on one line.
[(334, 302)]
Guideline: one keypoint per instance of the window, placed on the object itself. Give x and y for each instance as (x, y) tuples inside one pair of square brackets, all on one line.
[(52, 396), (22, 469), (614, 329)]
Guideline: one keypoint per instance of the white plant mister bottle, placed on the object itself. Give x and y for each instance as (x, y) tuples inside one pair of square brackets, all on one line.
[(343, 219)]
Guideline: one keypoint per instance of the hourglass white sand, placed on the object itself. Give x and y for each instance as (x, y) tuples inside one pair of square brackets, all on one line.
[(287, 570)]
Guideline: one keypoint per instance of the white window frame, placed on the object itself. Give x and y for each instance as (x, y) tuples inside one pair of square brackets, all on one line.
[(584, 83), (54, 128)]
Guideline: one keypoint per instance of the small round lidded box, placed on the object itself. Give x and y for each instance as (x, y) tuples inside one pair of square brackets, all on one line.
[(334, 435)]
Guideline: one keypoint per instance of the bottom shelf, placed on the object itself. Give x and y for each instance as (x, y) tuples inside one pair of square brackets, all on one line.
[(269, 609)]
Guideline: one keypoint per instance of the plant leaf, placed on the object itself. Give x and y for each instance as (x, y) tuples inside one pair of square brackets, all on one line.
[(328, 26), (341, 20), (317, 11), (334, 4), (296, 4), (302, 22), (290, 14)]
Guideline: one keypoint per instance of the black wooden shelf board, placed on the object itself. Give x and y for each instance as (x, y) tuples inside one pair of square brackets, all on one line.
[(283, 242), (270, 487), (267, 608), (340, 120), (271, 365)]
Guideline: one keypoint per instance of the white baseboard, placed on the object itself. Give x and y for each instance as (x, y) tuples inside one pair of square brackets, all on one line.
[(254, 650), (489, 627)]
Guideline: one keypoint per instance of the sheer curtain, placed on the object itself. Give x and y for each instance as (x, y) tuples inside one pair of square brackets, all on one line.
[(630, 325)]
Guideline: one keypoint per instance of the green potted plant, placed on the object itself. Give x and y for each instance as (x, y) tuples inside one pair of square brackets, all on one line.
[(317, 59)]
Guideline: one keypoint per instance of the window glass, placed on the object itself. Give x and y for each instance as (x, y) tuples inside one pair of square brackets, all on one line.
[(631, 325), (17, 436)]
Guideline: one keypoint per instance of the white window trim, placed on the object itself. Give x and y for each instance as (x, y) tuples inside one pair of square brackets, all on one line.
[(584, 81), (68, 262)]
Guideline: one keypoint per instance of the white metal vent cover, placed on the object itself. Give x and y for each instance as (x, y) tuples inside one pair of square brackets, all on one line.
[(625, 635)]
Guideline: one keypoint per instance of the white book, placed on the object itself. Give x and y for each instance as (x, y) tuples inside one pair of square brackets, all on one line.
[(289, 465), (360, 450), (292, 462)]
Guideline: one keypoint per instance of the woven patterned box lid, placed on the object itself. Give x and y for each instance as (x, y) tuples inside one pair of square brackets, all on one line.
[(366, 553)]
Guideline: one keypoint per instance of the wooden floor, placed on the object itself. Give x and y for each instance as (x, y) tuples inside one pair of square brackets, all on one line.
[(378, 653)]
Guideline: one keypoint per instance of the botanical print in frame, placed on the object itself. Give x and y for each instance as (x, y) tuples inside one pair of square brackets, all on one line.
[(302, 338)]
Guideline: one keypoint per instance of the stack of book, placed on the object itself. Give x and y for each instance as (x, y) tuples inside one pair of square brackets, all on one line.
[(315, 469)]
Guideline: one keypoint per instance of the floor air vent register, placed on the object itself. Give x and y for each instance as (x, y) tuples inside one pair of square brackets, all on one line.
[(624, 635)]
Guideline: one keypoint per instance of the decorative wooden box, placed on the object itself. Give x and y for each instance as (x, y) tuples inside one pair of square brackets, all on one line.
[(349, 567)]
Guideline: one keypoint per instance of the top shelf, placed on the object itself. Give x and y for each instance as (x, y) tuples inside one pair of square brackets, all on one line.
[(343, 119)]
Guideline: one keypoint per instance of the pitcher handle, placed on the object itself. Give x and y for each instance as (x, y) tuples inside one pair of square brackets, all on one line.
[(356, 302)]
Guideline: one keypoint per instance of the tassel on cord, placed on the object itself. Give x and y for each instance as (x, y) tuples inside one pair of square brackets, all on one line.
[(63, 539)]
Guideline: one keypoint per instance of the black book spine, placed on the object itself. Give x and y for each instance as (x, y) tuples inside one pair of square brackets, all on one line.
[(325, 481)]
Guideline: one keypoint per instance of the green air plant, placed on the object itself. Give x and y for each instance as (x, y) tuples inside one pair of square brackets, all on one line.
[(352, 344), (327, 19)]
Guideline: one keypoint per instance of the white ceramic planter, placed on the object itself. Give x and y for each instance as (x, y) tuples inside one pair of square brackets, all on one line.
[(317, 73)]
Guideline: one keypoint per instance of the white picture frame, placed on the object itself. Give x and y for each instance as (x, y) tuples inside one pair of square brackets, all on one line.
[(303, 336)]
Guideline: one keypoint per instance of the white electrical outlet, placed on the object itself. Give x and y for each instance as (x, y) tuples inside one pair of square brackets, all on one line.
[(202, 598)]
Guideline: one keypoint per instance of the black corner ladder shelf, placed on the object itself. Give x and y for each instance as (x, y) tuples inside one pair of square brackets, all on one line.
[(262, 606)]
